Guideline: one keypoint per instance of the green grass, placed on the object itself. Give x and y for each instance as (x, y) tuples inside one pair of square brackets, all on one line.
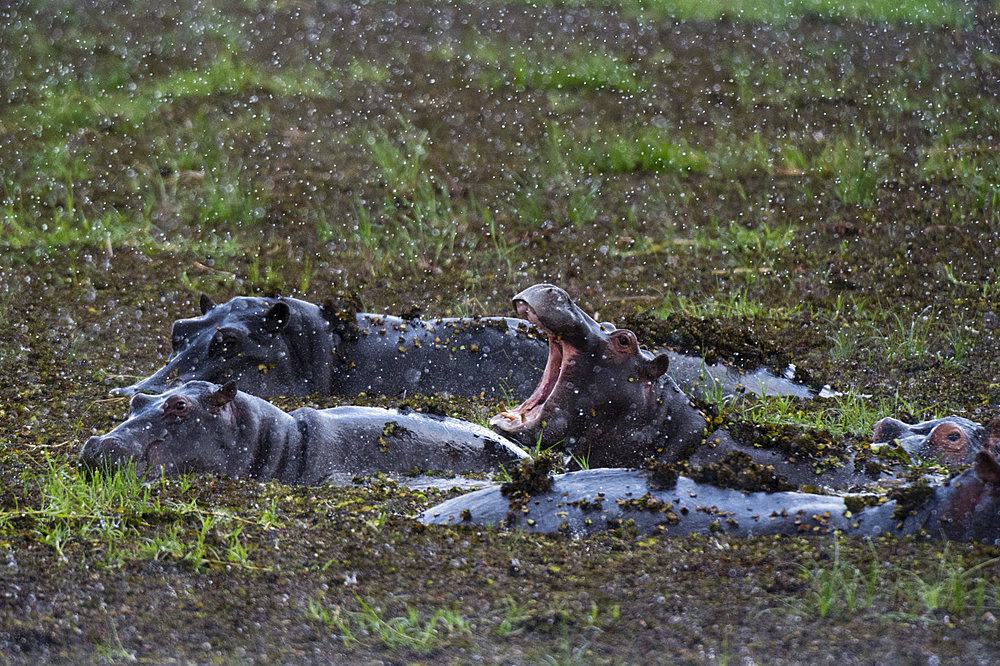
[(847, 415), (412, 631), (785, 11), (946, 589), (646, 150), (582, 69), (111, 513)]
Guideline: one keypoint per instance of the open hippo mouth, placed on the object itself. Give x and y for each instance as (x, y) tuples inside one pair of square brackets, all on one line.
[(600, 397), (529, 413), (571, 333)]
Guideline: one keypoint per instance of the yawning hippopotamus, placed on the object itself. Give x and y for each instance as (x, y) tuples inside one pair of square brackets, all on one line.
[(284, 346), (601, 397), (584, 502), (204, 427)]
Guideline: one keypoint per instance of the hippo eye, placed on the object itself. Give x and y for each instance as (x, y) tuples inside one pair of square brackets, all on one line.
[(623, 340), (224, 343), (954, 436), (176, 406)]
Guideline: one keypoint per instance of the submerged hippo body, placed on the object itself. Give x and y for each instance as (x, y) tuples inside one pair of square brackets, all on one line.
[(585, 502), (284, 346), (201, 427), (603, 399), (951, 439)]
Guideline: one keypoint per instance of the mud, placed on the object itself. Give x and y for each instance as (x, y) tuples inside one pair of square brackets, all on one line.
[(891, 293)]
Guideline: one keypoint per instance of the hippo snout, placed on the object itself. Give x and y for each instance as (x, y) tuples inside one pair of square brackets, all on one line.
[(104, 451), (887, 430)]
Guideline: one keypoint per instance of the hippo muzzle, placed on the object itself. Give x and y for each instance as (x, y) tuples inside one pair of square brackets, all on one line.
[(107, 451)]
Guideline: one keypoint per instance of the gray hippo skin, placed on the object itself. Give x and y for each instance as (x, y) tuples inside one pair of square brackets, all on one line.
[(201, 427), (585, 502), (951, 439), (600, 397), (284, 346)]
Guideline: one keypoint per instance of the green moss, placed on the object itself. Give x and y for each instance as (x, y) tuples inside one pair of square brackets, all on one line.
[(910, 499), (737, 470), (531, 476)]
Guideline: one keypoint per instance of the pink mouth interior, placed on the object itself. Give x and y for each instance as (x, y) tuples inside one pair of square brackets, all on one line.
[(530, 411)]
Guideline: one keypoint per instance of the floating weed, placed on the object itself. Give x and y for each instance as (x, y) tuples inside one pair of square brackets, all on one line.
[(950, 588), (510, 624), (411, 631)]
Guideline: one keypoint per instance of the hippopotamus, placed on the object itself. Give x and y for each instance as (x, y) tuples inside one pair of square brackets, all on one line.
[(204, 427), (601, 398), (584, 502), (951, 439), (285, 346)]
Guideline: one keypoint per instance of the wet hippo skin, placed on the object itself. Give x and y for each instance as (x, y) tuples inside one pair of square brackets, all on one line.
[(285, 346), (966, 508), (204, 427), (601, 397)]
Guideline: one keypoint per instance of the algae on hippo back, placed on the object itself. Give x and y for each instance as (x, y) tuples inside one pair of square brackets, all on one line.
[(206, 428), (285, 346), (584, 502)]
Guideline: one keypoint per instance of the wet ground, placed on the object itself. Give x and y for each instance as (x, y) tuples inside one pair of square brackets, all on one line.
[(820, 191)]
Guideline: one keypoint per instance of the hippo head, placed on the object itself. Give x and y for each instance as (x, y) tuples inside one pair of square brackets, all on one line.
[(970, 509), (950, 440), (190, 428), (599, 395), (268, 346)]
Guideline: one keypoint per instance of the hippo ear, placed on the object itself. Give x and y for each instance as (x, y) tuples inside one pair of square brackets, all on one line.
[(654, 368), (225, 395), (205, 303), (986, 467), (993, 433), (276, 317)]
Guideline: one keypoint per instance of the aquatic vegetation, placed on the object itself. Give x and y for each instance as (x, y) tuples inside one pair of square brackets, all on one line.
[(765, 183)]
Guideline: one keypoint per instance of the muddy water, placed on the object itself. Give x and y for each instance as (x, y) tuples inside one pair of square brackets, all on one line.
[(894, 296)]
